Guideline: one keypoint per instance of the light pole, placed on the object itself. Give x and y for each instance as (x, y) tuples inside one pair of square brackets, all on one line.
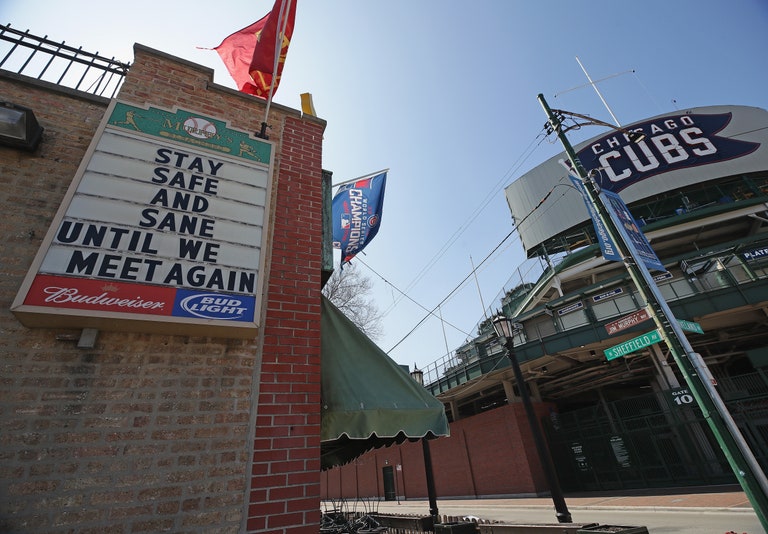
[(691, 365), (504, 328), (418, 375)]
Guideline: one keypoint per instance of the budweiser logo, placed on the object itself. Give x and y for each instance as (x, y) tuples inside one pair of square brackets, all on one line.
[(64, 295)]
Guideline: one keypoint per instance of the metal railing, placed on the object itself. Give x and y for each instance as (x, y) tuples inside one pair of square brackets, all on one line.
[(523, 279), (725, 271), (58, 63)]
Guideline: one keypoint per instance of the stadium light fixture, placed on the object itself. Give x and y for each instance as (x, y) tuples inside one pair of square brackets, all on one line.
[(19, 127)]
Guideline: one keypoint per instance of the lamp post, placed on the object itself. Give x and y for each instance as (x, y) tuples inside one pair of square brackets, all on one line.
[(418, 375), (504, 328), (691, 365)]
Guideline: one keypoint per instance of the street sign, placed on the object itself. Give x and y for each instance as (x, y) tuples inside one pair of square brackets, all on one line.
[(632, 345), (690, 326), (627, 321), (681, 396)]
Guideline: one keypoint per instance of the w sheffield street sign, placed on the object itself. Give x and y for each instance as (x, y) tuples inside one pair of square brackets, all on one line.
[(632, 345)]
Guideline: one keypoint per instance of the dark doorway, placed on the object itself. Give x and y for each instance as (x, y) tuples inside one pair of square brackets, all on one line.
[(390, 491)]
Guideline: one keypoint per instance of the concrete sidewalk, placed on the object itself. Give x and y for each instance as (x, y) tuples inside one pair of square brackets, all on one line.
[(711, 498), (711, 510), (721, 498)]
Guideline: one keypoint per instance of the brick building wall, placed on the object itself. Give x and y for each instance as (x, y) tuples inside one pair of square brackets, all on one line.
[(488, 454), (151, 432)]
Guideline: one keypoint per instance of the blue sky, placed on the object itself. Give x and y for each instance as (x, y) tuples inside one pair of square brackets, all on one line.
[(443, 93)]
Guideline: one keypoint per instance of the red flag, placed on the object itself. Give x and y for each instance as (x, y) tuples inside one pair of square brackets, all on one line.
[(249, 54)]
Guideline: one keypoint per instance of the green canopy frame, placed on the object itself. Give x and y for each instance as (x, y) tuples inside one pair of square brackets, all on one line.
[(368, 400)]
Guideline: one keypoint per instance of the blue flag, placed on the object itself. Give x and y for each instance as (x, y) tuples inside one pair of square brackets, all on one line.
[(633, 232), (607, 246), (357, 208), (642, 246)]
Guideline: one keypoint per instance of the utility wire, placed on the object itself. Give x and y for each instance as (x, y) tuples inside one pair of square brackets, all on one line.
[(449, 294), (393, 286), (475, 214), (464, 281)]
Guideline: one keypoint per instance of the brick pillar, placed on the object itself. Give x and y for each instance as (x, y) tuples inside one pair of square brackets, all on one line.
[(285, 479)]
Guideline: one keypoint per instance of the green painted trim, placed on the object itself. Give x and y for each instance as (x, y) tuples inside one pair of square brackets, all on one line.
[(191, 128)]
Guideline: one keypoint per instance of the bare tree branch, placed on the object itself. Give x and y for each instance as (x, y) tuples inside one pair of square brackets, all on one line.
[(350, 290)]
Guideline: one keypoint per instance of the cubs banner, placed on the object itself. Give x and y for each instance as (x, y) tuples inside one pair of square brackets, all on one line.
[(672, 142), (627, 221), (607, 246), (642, 246), (357, 208)]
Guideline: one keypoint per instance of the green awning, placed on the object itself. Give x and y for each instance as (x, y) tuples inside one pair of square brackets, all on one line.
[(368, 400)]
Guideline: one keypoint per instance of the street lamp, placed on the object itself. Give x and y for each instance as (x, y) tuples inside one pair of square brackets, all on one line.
[(418, 375), (504, 328), (691, 365)]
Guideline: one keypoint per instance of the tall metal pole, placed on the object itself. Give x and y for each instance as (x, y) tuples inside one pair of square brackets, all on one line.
[(691, 365), (431, 493), (561, 509), (594, 86)]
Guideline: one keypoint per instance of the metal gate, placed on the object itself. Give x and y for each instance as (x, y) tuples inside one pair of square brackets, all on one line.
[(656, 440)]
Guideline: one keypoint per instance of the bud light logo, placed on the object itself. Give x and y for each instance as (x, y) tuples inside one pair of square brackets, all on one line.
[(214, 306)]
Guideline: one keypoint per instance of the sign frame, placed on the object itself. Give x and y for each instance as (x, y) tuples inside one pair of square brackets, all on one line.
[(201, 137)]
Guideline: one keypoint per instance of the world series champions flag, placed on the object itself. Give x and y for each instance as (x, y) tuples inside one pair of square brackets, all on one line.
[(357, 207)]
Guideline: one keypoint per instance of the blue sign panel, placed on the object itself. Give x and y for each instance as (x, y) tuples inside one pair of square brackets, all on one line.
[(217, 306), (607, 246), (671, 142), (644, 250), (756, 254)]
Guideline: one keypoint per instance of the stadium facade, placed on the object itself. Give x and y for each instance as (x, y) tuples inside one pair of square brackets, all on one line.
[(698, 187)]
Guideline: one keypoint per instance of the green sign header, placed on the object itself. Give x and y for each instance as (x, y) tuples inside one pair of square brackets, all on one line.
[(192, 129)]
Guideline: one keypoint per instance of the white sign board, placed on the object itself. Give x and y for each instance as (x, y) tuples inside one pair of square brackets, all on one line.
[(166, 218)]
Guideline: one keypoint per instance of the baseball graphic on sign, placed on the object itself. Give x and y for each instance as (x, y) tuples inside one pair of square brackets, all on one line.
[(199, 127)]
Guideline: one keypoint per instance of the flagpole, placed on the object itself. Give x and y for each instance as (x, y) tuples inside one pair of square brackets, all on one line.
[(594, 86), (278, 48), (360, 178)]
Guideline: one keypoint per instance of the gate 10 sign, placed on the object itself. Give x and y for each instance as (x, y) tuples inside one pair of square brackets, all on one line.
[(682, 397)]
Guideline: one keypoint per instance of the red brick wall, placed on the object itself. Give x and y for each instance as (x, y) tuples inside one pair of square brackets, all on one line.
[(148, 432), (491, 453), (286, 470)]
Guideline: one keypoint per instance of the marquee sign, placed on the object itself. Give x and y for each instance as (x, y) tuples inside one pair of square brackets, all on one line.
[(671, 142), (165, 221), (680, 150)]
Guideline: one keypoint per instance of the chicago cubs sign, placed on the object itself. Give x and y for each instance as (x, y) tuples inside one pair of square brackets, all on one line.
[(680, 149), (673, 142)]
